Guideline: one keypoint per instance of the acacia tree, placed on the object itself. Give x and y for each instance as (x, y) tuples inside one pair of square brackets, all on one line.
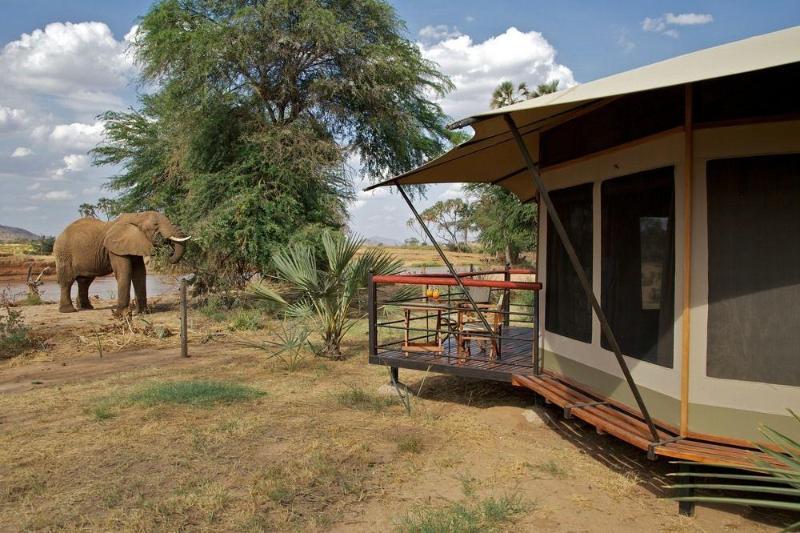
[(256, 105), (452, 220)]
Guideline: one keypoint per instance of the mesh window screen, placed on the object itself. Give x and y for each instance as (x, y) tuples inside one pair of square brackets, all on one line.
[(754, 269), (638, 263), (568, 312)]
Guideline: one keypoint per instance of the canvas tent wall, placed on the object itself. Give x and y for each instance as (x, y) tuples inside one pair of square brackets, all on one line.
[(620, 153)]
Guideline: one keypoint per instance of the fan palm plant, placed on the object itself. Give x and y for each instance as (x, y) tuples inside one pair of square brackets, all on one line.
[(326, 295), (775, 484)]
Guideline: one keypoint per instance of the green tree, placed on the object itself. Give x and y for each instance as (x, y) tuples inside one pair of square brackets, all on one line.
[(87, 210), (506, 225), (506, 94), (255, 108)]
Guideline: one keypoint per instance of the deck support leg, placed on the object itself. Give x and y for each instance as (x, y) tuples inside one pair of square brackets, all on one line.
[(580, 271), (686, 508)]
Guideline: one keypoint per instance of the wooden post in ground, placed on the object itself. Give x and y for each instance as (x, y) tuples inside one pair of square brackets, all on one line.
[(184, 326)]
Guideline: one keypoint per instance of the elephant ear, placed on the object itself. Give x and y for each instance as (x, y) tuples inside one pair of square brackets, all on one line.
[(127, 239)]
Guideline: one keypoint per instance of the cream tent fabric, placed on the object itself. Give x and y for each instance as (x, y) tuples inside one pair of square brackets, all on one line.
[(492, 157)]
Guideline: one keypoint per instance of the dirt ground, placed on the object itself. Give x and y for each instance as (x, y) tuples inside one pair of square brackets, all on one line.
[(301, 457)]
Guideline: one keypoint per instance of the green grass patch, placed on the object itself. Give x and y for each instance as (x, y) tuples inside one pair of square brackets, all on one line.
[(409, 444), (196, 393), (102, 412), (357, 398), (552, 468), (490, 514)]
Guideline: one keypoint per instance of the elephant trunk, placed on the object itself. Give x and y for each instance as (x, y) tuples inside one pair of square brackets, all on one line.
[(178, 248), (176, 239)]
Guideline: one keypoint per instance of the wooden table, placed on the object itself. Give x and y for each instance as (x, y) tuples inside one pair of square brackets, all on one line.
[(430, 347)]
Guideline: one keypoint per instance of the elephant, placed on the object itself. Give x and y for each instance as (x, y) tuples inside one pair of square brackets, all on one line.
[(89, 248)]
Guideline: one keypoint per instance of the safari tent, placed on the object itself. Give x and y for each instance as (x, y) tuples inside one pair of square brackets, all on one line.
[(669, 244)]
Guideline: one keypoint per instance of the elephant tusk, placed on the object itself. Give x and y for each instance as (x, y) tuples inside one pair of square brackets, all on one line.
[(180, 239)]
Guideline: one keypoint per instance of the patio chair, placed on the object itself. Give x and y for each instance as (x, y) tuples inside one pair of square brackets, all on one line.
[(471, 328)]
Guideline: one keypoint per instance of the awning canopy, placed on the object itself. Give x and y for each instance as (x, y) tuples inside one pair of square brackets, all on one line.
[(491, 156)]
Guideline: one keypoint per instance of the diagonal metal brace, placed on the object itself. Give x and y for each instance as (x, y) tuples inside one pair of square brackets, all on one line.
[(555, 219), (651, 448), (570, 406)]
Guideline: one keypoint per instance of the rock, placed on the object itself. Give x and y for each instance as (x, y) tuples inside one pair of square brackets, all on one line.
[(534, 417), (387, 390)]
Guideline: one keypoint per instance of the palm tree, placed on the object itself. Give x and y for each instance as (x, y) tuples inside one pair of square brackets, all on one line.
[(326, 296), (506, 94)]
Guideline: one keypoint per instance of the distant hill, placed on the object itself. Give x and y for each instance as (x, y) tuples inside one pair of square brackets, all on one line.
[(377, 240), (9, 234)]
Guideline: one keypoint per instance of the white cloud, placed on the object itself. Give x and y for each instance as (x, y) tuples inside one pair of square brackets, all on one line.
[(439, 32), (688, 19), (469, 18), (12, 119), (72, 163), (477, 68), (22, 151), (76, 136), (624, 41), (67, 59), (454, 190), (664, 24), (24, 209), (54, 195), (654, 24)]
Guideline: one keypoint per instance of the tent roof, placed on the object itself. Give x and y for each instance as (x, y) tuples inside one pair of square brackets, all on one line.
[(491, 156)]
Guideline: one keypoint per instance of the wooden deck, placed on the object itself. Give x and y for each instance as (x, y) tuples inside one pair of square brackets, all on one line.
[(516, 357)]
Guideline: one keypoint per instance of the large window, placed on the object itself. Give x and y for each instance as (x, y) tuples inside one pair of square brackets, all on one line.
[(568, 312), (754, 269), (638, 263)]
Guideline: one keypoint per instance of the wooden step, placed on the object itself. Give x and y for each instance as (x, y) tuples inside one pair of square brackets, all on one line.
[(621, 421)]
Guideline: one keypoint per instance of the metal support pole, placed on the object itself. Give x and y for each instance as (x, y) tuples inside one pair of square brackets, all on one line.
[(576, 264), (372, 311), (449, 265), (184, 326), (537, 358)]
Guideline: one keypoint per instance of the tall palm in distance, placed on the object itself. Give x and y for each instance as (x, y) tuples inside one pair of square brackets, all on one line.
[(506, 94)]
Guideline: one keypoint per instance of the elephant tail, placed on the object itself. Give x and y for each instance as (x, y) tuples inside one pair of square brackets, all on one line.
[(64, 268)]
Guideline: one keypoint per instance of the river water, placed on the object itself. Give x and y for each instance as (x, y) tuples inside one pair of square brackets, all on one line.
[(105, 287)]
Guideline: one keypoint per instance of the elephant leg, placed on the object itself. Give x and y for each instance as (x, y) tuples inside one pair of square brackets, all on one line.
[(139, 277), (123, 268), (65, 306), (83, 293)]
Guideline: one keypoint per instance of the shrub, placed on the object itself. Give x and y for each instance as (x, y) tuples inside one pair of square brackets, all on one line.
[(327, 294), (246, 320), (15, 336), (357, 398), (291, 347)]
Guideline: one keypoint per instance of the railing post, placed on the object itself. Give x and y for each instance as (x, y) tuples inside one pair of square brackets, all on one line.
[(507, 297), (372, 313), (537, 358)]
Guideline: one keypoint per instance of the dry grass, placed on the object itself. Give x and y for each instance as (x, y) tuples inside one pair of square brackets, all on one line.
[(141, 450), (427, 256)]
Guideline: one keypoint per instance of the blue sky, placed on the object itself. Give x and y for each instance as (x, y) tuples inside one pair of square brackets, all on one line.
[(59, 72)]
